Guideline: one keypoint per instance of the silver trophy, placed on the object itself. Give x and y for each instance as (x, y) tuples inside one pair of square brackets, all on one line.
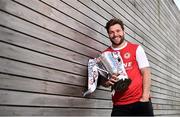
[(103, 67), (111, 63), (93, 75)]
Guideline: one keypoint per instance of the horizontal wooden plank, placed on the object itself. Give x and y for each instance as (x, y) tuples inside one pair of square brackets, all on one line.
[(34, 44), (38, 72), (34, 99), (75, 10), (25, 39), (55, 17), (165, 107), (26, 70), (166, 87), (46, 23), (154, 26), (135, 12), (170, 79), (115, 13), (96, 9), (146, 7), (164, 28), (46, 111), (153, 6), (25, 84), (170, 84), (165, 74), (163, 90), (169, 21), (166, 14), (175, 100), (128, 13), (162, 65), (24, 55), (149, 23), (83, 8), (93, 5), (158, 100), (167, 113)]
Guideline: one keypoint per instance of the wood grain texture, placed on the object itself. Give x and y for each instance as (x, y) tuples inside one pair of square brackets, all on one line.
[(45, 46)]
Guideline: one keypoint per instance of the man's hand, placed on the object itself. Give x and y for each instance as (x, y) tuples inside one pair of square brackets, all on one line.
[(111, 81), (145, 97)]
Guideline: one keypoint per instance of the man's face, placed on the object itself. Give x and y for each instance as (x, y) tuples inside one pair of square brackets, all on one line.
[(116, 34)]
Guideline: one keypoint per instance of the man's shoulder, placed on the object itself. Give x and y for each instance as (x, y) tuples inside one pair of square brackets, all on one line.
[(132, 46), (108, 49)]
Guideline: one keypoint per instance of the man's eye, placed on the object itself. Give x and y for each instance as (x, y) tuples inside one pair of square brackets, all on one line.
[(118, 31), (110, 32)]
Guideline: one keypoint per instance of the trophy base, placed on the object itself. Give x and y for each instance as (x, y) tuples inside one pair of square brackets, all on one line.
[(122, 85)]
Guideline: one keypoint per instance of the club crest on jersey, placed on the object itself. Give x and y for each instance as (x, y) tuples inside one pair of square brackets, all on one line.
[(127, 55)]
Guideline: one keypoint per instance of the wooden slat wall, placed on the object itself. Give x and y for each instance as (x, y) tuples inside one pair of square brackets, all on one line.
[(45, 46)]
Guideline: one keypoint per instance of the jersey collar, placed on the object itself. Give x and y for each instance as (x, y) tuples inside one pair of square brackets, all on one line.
[(120, 47)]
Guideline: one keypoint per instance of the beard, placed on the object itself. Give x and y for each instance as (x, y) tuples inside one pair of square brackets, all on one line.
[(117, 43)]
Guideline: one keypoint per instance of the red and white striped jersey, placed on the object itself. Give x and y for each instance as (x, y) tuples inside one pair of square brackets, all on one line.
[(134, 59)]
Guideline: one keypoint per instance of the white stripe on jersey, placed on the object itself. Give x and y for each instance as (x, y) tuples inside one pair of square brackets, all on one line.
[(141, 58)]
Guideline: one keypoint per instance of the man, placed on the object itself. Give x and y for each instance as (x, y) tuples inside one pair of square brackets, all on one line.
[(135, 101)]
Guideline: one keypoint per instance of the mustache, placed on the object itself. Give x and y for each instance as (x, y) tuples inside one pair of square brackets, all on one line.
[(120, 42), (117, 36)]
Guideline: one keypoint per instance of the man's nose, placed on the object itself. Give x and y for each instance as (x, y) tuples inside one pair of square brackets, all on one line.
[(115, 34)]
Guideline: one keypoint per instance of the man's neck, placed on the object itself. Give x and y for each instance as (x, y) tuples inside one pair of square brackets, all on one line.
[(119, 46)]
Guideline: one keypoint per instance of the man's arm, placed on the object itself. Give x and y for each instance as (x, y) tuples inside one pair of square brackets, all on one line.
[(146, 74)]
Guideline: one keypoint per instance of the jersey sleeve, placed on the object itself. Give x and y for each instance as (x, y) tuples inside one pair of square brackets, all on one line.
[(141, 58)]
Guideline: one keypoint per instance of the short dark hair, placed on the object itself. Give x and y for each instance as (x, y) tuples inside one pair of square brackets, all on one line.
[(113, 22)]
